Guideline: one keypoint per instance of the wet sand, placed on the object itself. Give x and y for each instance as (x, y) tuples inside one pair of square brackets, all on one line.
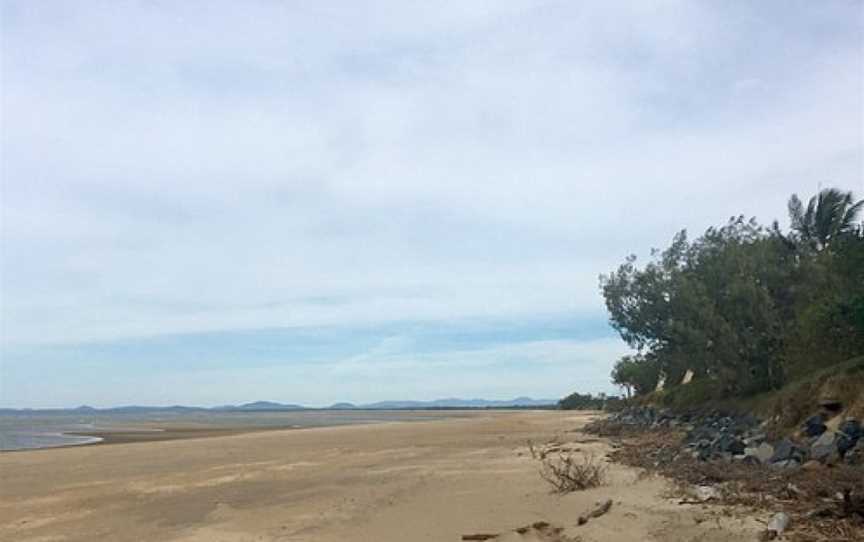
[(171, 433), (426, 481)]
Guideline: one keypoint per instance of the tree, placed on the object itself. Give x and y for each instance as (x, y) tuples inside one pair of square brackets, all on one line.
[(636, 374), (718, 305), (744, 306), (578, 401), (829, 214)]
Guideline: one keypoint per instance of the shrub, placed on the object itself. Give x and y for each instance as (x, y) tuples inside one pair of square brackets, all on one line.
[(573, 472)]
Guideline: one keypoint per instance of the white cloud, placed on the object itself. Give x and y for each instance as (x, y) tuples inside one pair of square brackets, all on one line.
[(184, 167), (389, 370)]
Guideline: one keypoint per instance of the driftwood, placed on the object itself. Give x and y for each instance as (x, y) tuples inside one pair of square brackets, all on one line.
[(849, 507), (596, 512), (537, 526), (852, 505), (479, 536)]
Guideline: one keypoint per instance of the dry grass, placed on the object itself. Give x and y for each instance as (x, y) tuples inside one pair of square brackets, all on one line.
[(569, 472), (826, 503)]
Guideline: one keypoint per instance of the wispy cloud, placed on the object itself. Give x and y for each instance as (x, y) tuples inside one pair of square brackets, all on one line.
[(200, 167), (318, 366)]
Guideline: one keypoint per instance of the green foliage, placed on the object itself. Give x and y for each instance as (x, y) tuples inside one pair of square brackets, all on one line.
[(829, 215), (744, 306), (578, 401), (636, 374), (692, 395)]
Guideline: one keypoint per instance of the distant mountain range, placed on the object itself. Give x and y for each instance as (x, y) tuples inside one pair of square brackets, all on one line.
[(270, 406), (449, 403)]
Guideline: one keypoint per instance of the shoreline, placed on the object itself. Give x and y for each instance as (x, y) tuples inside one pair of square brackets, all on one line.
[(92, 440), (110, 437), (424, 482), (156, 431), (131, 436)]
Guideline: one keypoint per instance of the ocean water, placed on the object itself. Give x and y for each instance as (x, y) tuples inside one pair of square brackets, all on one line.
[(28, 430), (21, 432)]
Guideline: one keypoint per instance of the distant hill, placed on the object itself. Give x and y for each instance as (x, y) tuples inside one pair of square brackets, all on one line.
[(270, 406), (461, 403), (266, 405), (342, 406), (134, 409)]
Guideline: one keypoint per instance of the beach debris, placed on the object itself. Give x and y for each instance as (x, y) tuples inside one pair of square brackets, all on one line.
[(776, 526), (817, 479), (573, 471), (542, 451), (853, 504), (794, 491), (715, 436), (543, 530), (546, 532), (705, 493), (598, 511), (823, 512), (701, 494)]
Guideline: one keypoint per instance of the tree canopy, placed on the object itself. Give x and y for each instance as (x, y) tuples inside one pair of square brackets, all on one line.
[(745, 305)]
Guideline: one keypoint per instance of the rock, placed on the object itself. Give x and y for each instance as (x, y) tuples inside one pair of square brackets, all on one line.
[(754, 440), (702, 444), (814, 426), (786, 464), (705, 493), (850, 433), (786, 450), (812, 465), (776, 526), (851, 428), (855, 456), (762, 453), (749, 420), (748, 460), (825, 448), (728, 444)]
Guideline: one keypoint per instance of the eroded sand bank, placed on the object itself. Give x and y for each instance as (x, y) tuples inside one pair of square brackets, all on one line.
[(427, 481)]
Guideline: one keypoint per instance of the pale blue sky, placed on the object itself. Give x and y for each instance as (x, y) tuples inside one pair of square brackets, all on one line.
[(214, 202)]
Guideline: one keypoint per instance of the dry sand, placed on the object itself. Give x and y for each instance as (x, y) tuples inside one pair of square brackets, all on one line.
[(417, 481)]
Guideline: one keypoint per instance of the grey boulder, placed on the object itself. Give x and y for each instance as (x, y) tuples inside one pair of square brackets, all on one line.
[(786, 450), (762, 453), (814, 426), (825, 447)]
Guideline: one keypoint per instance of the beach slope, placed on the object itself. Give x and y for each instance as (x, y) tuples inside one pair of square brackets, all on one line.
[(425, 481)]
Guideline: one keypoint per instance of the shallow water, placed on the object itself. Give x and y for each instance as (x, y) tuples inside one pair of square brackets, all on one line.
[(22, 431)]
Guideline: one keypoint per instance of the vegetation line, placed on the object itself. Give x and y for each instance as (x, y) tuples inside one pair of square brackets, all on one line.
[(744, 308)]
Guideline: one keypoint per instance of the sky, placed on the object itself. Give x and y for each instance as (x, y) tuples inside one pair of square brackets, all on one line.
[(308, 202)]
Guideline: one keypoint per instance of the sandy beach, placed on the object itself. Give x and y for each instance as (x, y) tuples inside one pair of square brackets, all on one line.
[(419, 481)]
